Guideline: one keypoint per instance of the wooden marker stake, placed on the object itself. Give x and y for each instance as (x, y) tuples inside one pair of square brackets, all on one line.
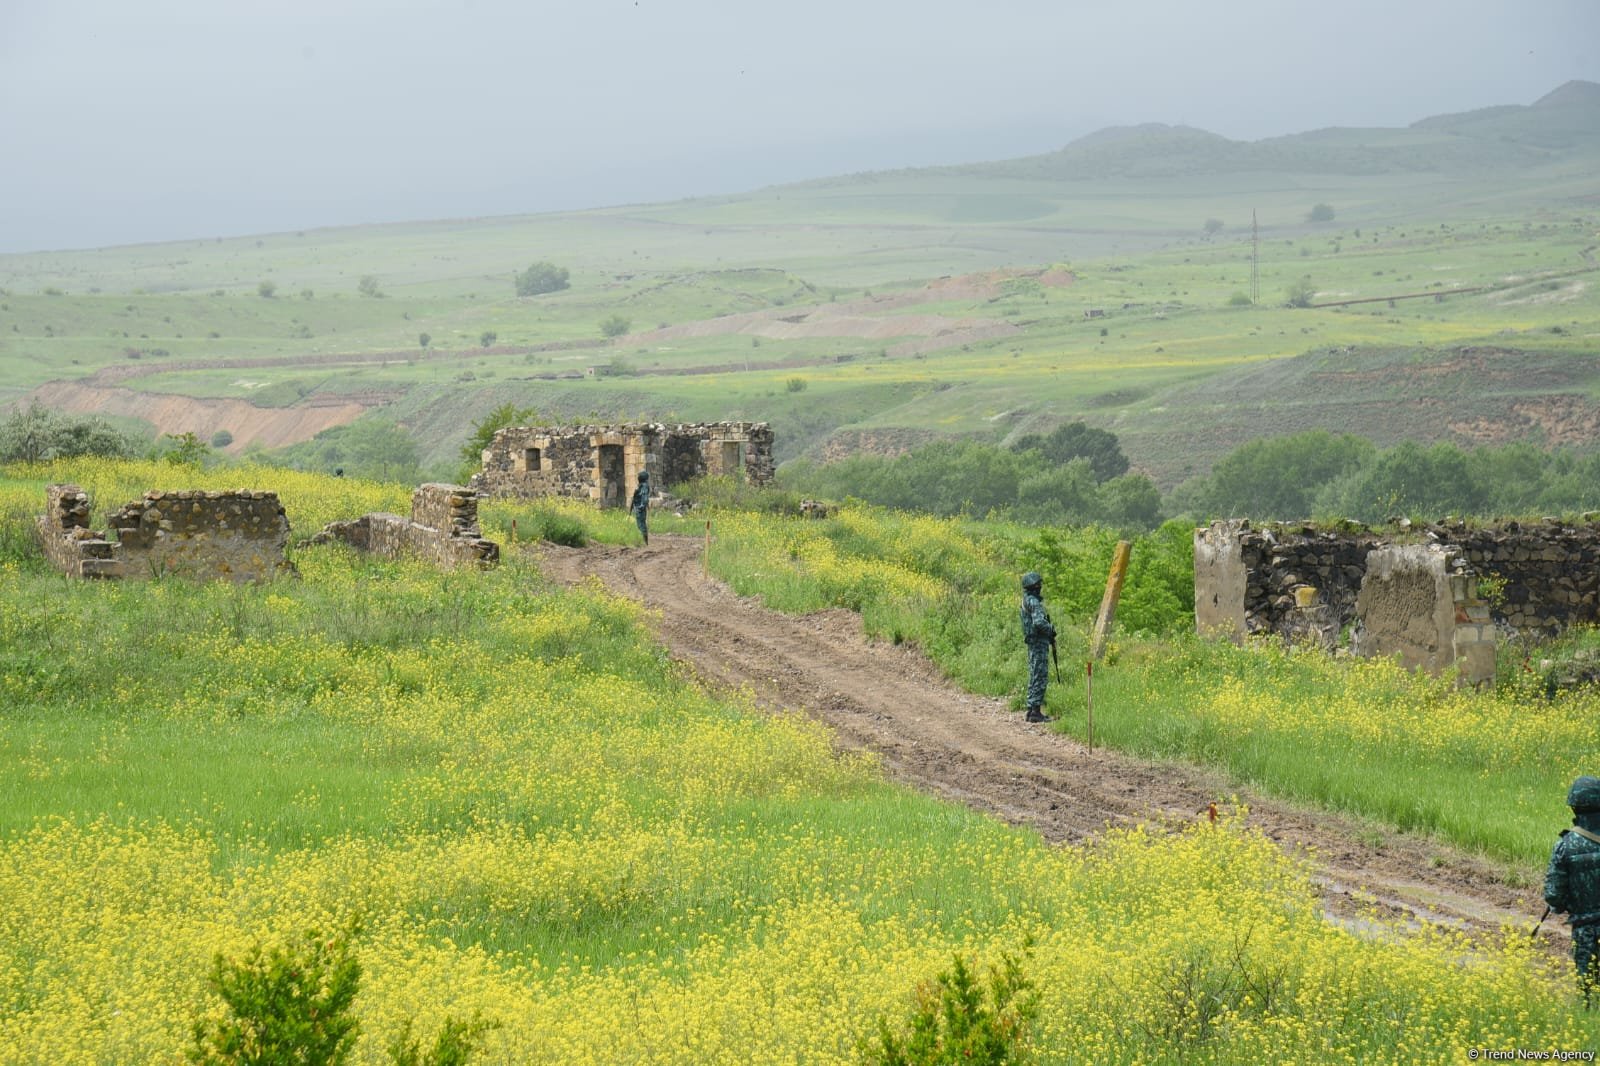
[(1088, 700), (513, 531), (705, 557)]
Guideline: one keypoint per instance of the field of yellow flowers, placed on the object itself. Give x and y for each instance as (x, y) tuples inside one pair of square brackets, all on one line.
[(539, 818), (1487, 771)]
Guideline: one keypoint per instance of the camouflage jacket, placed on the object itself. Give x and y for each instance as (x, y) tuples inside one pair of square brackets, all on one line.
[(1572, 883), (1036, 625)]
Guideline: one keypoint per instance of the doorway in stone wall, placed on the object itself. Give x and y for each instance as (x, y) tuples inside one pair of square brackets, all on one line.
[(733, 459), (613, 493)]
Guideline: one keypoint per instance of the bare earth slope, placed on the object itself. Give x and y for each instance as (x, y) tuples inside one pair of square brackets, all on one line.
[(973, 750)]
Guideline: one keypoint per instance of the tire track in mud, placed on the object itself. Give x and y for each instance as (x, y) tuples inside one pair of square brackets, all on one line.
[(974, 750)]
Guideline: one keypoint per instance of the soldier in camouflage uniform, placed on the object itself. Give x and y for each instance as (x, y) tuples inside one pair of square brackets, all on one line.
[(1572, 883), (640, 505), (1039, 634)]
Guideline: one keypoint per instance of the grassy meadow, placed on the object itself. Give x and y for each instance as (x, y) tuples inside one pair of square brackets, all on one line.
[(181, 318), (539, 819)]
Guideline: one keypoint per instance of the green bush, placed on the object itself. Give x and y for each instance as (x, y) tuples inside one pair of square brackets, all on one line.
[(455, 1044), (286, 1005), (955, 1022)]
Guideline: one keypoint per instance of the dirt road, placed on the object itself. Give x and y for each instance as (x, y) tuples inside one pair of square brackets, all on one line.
[(974, 750)]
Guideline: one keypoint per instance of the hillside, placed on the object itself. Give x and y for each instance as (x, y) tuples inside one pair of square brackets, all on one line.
[(987, 300)]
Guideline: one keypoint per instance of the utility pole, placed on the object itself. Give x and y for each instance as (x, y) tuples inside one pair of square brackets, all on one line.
[(1255, 260)]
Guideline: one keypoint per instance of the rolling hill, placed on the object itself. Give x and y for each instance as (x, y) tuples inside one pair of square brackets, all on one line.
[(1110, 280)]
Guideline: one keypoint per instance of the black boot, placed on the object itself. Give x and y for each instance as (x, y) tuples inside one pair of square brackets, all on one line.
[(1036, 715)]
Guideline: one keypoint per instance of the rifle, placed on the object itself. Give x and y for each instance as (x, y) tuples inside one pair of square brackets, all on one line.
[(1535, 930), (1055, 659)]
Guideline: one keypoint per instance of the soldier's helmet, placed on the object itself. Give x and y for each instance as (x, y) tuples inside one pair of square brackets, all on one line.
[(1033, 580), (644, 477), (1584, 795)]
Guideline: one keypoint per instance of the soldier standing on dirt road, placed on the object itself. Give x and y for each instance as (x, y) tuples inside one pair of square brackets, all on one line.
[(640, 505), (1039, 634), (1572, 883)]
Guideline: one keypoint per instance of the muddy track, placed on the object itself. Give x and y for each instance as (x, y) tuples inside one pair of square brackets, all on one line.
[(974, 750)]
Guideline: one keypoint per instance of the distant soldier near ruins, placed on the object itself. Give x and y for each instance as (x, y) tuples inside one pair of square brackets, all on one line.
[(1572, 883), (640, 505), (1039, 633)]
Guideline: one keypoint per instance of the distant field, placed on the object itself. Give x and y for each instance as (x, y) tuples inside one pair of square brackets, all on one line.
[(729, 300)]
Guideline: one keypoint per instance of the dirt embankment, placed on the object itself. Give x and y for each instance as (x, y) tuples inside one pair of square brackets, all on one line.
[(974, 750), (271, 427)]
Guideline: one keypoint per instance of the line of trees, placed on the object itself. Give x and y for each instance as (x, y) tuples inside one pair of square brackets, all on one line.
[(1322, 474), (1075, 475)]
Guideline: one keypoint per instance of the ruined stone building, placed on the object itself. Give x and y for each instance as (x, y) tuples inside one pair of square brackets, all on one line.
[(237, 536), (443, 530), (602, 463), (1437, 596)]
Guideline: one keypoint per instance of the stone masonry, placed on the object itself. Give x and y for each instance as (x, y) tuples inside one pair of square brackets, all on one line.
[(238, 536), (1435, 595), (443, 530), (602, 463)]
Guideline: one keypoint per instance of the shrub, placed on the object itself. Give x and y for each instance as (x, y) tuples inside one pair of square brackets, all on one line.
[(614, 326), (286, 1005), (541, 278), (795, 385), (368, 286), (455, 1044), (267, 288), (954, 1022)]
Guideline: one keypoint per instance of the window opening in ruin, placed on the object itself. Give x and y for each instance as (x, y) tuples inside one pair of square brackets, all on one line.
[(530, 460), (733, 459), (608, 462)]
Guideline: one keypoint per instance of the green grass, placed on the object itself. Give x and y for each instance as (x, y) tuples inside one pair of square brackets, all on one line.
[(1135, 244)]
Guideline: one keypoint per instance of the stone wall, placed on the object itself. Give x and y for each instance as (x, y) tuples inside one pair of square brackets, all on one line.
[(1435, 595), (602, 463), (238, 536), (68, 542), (442, 530)]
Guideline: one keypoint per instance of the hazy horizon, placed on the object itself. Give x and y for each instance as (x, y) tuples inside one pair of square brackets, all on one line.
[(180, 119)]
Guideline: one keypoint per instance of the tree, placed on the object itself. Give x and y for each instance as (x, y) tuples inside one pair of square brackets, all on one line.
[(1301, 293), (1280, 477), (380, 450), (540, 278), (614, 326), (1076, 440), (368, 286), (1320, 213), (221, 438), (186, 449), (423, 340), (483, 431), (487, 337), (1213, 226), (267, 288), (38, 433)]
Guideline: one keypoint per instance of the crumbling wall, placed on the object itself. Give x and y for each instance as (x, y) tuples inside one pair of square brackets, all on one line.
[(443, 530), (239, 535), (1406, 609), (602, 463), (1388, 591), (1547, 573), (68, 542)]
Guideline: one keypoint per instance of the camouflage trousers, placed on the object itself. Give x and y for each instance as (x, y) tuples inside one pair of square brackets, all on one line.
[(641, 519), (1584, 945), (1038, 673)]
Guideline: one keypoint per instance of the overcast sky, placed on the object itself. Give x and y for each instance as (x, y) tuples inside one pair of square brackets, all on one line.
[(141, 120)]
